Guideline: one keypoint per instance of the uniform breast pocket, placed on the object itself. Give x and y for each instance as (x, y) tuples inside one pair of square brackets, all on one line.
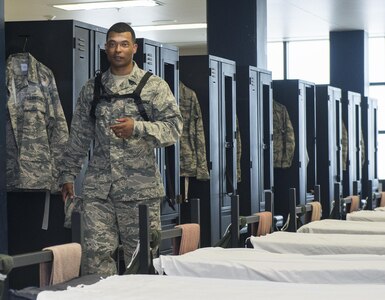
[(34, 110), (35, 136)]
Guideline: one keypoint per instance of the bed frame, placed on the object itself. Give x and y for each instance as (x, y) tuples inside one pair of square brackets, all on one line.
[(253, 219), (144, 233), (304, 210)]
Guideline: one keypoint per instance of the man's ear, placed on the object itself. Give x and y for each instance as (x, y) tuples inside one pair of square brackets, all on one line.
[(135, 48)]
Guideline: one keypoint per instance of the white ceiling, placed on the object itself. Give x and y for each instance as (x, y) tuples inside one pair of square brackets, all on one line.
[(286, 19)]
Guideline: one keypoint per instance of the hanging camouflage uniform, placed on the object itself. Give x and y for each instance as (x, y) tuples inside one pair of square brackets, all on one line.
[(283, 137), (36, 129), (122, 172), (193, 161)]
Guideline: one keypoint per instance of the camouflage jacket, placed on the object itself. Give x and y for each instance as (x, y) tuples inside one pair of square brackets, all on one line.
[(129, 163), (36, 129), (193, 161), (283, 137)]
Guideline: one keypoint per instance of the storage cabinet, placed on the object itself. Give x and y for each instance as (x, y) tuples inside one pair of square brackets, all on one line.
[(369, 109), (329, 155), (254, 111), (213, 80), (351, 116), (299, 98)]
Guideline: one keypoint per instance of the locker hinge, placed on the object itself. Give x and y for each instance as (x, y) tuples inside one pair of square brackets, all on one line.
[(211, 165), (177, 65), (74, 43), (144, 58), (234, 77), (210, 71)]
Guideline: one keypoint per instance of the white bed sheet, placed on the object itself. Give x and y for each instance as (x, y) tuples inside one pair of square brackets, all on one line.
[(342, 226), (251, 264), (319, 244), (366, 215), (140, 287), (380, 208)]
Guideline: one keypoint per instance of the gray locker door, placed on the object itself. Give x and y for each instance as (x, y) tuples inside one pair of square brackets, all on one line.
[(223, 155), (302, 153), (334, 139), (81, 75), (371, 150), (354, 138), (99, 53), (151, 63), (169, 60), (261, 124)]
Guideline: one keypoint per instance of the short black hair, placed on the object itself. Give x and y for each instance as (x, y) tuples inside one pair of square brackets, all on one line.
[(122, 27)]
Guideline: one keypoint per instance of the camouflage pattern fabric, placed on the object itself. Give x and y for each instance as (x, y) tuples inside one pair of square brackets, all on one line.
[(283, 137), (193, 160), (124, 170), (107, 220), (36, 129), (345, 146)]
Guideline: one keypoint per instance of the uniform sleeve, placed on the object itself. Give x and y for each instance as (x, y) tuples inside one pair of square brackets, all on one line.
[(166, 123), (81, 134), (289, 143), (57, 131), (200, 142)]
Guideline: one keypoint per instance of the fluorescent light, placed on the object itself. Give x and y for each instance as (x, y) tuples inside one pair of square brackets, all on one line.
[(171, 27), (106, 4)]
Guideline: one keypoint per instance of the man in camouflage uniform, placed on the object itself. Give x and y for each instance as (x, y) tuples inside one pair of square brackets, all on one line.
[(122, 172)]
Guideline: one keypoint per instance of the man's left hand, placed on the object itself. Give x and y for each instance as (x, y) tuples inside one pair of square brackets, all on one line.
[(123, 128)]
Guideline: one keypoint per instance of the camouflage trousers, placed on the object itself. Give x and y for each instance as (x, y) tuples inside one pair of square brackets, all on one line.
[(108, 221)]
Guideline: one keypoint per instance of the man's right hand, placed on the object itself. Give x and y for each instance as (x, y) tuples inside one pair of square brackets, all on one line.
[(67, 191)]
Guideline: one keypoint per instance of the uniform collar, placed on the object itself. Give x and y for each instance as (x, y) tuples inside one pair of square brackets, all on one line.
[(13, 66)]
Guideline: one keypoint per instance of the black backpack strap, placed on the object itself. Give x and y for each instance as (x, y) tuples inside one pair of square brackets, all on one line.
[(96, 98), (138, 99)]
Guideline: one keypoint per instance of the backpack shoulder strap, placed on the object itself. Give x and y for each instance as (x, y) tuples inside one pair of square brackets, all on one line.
[(138, 99), (97, 89)]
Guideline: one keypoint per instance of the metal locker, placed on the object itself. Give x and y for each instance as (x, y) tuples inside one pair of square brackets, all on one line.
[(299, 98), (369, 108), (223, 142), (261, 137), (351, 116), (329, 155)]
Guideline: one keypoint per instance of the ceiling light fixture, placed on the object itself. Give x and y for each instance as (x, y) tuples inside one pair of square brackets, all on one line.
[(171, 27), (107, 4)]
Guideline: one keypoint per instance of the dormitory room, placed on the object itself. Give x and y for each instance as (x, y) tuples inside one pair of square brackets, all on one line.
[(179, 149)]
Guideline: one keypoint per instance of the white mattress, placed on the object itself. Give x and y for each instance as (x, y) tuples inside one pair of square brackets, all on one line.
[(366, 215), (319, 244), (251, 264), (380, 208), (341, 226), (146, 287)]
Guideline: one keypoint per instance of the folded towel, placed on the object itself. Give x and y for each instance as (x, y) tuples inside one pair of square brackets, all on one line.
[(64, 266), (189, 240), (316, 210), (355, 204), (265, 222)]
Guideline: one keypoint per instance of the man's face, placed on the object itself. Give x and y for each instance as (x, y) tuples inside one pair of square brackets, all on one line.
[(120, 49)]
